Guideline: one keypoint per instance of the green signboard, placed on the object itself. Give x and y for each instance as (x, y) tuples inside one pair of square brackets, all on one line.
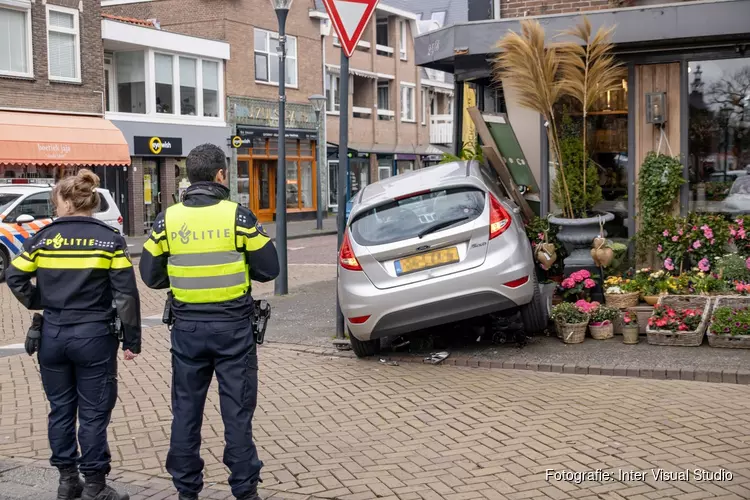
[(511, 152)]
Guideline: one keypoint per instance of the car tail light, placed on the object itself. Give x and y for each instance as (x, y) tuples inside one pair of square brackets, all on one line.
[(120, 220), (499, 218), (517, 283), (359, 319), (412, 195), (347, 259)]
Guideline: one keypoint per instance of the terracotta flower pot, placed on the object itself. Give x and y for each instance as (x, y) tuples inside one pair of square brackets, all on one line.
[(630, 334), (651, 299)]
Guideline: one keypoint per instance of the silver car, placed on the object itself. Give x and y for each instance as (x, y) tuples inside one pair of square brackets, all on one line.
[(432, 247)]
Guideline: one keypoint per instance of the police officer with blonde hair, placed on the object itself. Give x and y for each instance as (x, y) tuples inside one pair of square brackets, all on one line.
[(206, 250), (81, 267)]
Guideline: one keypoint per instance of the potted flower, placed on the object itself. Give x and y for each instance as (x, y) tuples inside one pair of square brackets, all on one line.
[(730, 323), (578, 285), (620, 292), (543, 74), (653, 286), (601, 322), (679, 320), (630, 328), (571, 322)]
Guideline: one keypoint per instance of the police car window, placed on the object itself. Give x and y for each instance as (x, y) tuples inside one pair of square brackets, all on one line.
[(37, 205), (6, 200), (103, 205)]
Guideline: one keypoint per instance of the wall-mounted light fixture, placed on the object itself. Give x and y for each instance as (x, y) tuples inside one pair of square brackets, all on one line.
[(656, 108)]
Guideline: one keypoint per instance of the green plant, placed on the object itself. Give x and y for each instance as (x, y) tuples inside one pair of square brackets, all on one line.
[(701, 237), (567, 312), (707, 283), (604, 315), (728, 321), (583, 184), (659, 183), (732, 267), (468, 152)]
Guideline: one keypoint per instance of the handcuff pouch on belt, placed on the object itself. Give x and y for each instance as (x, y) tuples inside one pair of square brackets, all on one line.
[(167, 316), (261, 315)]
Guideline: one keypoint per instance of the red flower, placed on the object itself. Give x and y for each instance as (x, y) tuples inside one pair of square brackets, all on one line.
[(682, 327), (661, 322)]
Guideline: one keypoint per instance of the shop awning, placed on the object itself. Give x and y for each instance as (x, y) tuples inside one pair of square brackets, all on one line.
[(60, 140)]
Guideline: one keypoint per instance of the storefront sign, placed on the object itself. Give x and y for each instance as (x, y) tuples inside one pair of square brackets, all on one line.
[(245, 135), (261, 113), (157, 146), (147, 196)]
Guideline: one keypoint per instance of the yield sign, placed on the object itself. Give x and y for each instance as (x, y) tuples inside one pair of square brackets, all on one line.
[(350, 17)]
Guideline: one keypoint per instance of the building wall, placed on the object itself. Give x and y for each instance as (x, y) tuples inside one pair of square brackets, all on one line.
[(135, 197), (39, 93), (522, 8)]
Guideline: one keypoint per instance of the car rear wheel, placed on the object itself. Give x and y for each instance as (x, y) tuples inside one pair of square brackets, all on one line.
[(364, 348), (534, 314), (4, 263)]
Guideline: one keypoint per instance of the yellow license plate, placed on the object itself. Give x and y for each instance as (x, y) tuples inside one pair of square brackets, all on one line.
[(426, 261)]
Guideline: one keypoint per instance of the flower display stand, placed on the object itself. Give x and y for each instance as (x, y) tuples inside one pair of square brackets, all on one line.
[(729, 341), (688, 338)]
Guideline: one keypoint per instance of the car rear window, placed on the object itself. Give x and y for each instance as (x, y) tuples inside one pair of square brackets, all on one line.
[(103, 205), (409, 217), (6, 199)]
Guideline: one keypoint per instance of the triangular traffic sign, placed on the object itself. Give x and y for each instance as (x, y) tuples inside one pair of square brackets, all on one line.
[(349, 18)]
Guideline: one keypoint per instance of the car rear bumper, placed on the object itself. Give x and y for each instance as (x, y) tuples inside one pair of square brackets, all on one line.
[(432, 302)]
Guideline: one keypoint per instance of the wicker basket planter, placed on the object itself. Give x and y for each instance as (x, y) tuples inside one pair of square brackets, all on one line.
[(684, 339), (572, 333), (730, 341), (622, 300), (630, 334), (602, 332)]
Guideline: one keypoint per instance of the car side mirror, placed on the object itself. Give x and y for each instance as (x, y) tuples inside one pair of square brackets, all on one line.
[(24, 219)]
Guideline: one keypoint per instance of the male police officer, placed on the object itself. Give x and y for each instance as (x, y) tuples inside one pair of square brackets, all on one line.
[(207, 250)]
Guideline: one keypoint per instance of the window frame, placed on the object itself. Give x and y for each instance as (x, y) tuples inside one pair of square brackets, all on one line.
[(333, 84), (403, 48), (410, 115), (25, 8), (268, 53), (175, 61), (424, 107), (14, 213), (76, 31)]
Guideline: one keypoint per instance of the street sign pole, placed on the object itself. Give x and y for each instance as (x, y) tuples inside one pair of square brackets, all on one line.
[(343, 173)]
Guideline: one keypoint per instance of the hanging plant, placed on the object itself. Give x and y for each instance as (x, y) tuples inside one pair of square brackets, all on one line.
[(659, 185)]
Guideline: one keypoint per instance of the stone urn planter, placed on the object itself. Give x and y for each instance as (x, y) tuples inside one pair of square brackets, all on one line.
[(577, 235)]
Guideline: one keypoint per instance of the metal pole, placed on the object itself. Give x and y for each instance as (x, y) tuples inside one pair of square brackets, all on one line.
[(233, 181), (343, 174), (321, 147), (281, 285)]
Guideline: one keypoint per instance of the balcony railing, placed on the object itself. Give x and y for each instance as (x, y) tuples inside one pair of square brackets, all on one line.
[(441, 129)]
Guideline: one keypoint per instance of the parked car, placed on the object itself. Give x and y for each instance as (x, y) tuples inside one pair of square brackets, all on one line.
[(27, 208), (432, 247), (737, 201)]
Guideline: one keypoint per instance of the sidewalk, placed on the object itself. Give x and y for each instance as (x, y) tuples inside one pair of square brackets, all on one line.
[(295, 230)]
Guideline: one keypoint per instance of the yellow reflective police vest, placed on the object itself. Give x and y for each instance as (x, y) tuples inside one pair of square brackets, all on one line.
[(204, 265)]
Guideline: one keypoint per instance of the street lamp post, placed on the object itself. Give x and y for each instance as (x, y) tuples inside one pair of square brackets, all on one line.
[(281, 285), (318, 102)]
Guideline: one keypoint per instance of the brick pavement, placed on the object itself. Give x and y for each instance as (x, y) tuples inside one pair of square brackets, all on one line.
[(333, 427)]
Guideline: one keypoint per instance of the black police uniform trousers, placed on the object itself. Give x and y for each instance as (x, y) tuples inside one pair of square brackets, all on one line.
[(79, 375), (198, 350)]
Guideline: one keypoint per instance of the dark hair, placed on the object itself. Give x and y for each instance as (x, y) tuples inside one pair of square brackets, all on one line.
[(204, 162), (79, 190)]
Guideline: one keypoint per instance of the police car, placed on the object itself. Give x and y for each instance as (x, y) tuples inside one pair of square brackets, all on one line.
[(27, 208)]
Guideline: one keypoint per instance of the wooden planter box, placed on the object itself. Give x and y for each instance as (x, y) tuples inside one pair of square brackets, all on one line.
[(729, 341)]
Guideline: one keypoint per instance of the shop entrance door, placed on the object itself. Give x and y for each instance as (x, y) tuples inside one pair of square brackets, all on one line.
[(263, 200), (151, 193), (115, 180)]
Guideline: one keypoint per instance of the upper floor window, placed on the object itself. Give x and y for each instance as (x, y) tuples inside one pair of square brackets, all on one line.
[(15, 40), (210, 88), (333, 100), (130, 69), (63, 44), (407, 103), (381, 32), (402, 39), (267, 58), (164, 76)]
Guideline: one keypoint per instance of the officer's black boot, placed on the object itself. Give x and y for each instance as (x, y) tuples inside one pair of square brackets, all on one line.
[(96, 489), (187, 496), (251, 495), (71, 485)]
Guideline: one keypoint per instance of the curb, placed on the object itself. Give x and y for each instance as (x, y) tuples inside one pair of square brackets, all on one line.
[(739, 377), (288, 238)]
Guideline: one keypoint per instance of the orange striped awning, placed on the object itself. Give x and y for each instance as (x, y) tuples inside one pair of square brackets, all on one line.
[(60, 140)]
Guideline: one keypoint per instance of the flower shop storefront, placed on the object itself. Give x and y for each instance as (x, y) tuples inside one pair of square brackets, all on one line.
[(649, 163)]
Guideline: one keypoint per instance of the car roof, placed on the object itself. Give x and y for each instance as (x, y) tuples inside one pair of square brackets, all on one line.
[(23, 188), (445, 174)]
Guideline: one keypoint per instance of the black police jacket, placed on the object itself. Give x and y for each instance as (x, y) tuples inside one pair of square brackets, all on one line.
[(81, 267), (263, 263)]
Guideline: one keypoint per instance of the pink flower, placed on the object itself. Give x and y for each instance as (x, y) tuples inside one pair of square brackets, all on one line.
[(695, 228), (740, 221), (577, 277), (696, 244), (568, 283), (708, 233), (704, 265), (665, 233), (741, 234), (540, 235), (682, 327), (680, 232), (747, 263), (733, 232), (668, 264), (740, 287), (675, 238), (661, 322), (584, 273), (659, 249), (713, 241), (589, 283)]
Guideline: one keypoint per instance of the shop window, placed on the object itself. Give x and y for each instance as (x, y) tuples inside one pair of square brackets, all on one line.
[(384, 172), (131, 82), (188, 85), (267, 58), (333, 182), (333, 100), (210, 88), (243, 182), (15, 38), (37, 205), (292, 185), (403, 166), (63, 44), (306, 183), (164, 74), (719, 136), (407, 103)]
